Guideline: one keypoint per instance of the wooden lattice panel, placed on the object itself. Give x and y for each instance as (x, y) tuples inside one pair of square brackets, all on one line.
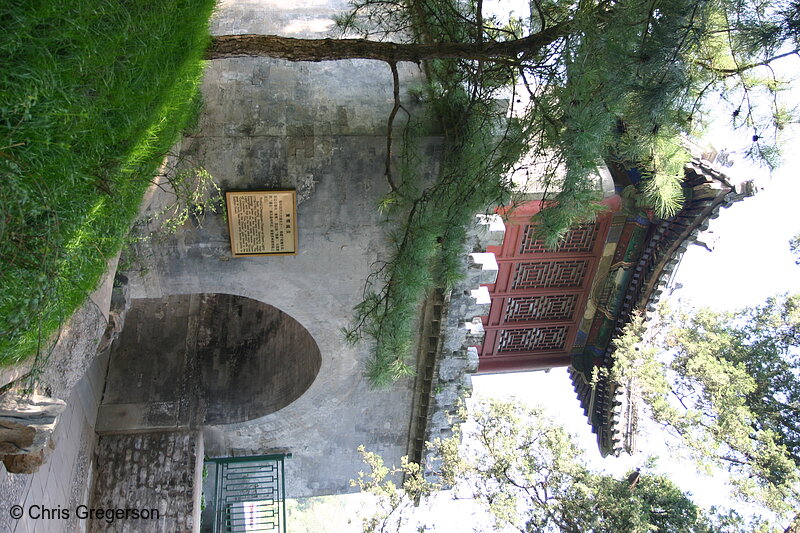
[(580, 239), (550, 274), (532, 308), (541, 293), (532, 339)]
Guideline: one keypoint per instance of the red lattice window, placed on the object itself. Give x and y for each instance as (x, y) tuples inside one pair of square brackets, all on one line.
[(579, 239), (531, 308), (541, 293), (550, 274), (532, 339)]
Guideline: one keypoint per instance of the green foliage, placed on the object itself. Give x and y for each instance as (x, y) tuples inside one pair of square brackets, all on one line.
[(531, 476), (727, 384), (427, 247), (622, 81), (194, 194), (527, 472), (794, 247), (478, 151), (512, 452), (93, 95), (394, 503), (323, 513)]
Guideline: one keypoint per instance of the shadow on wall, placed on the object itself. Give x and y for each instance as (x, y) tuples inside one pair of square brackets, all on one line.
[(204, 359)]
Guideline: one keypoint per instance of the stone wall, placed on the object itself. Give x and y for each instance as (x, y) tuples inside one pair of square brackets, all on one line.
[(153, 473), (462, 330), (318, 128)]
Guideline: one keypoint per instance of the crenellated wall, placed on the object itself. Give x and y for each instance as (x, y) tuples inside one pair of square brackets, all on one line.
[(461, 333)]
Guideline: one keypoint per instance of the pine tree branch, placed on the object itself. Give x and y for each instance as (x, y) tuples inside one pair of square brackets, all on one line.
[(395, 108), (741, 69)]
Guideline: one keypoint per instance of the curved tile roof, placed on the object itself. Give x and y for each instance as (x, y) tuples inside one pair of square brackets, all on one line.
[(611, 407)]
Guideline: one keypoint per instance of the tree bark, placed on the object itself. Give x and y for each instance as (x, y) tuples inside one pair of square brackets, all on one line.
[(249, 45)]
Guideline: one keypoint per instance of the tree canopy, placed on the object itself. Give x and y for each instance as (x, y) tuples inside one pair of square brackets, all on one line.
[(602, 79), (794, 247), (728, 385), (529, 474), (586, 82)]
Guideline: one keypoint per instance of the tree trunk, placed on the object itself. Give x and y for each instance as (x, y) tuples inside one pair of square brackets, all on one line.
[(229, 46)]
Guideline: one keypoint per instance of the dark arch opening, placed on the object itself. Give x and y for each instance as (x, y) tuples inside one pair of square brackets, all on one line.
[(205, 359)]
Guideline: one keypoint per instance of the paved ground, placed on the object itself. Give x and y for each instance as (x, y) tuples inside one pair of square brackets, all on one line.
[(64, 481)]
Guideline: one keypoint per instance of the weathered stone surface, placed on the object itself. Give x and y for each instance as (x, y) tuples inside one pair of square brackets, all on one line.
[(27, 422), (13, 373), (27, 463), (74, 351), (205, 359), (118, 309), (26, 440), (15, 437), (153, 472), (462, 331), (88, 331)]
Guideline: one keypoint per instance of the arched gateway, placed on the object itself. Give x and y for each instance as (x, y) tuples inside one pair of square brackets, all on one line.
[(186, 361)]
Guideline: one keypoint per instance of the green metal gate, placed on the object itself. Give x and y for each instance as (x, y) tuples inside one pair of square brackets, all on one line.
[(249, 494)]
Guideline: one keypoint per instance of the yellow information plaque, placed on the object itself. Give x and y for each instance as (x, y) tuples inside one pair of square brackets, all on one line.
[(262, 222)]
